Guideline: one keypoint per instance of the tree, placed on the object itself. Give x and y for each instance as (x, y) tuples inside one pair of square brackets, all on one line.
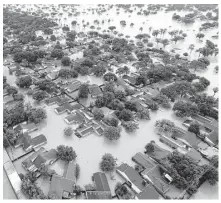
[(71, 35), (108, 163), (155, 33), (141, 79), (215, 90), (215, 161), (200, 35), (39, 95), (65, 28), (211, 174), (18, 97), (24, 81), (119, 94), (130, 126), (185, 109), (31, 189), (112, 121), (83, 91), (194, 128), (149, 148), (143, 114), (36, 115), (162, 99), (110, 77), (99, 102), (165, 126), (68, 131), (165, 42), (77, 171), (125, 115), (11, 90), (65, 61), (53, 38), (98, 114), (57, 53), (48, 31), (66, 153), (112, 133)]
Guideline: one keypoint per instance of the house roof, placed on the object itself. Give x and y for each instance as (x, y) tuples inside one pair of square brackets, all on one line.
[(60, 184), (143, 160), (70, 171), (101, 182), (149, 192), (40, 139), (129, 173), (28, 161), (213, 136), (98, 195), (77, 116), (155, 175), (195, 155), (74, 86), (25, 127), (94, 90), (45, 156)]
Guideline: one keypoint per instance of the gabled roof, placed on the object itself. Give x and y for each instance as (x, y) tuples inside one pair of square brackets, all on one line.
[(44, 157), (149, 192), (101, 182), (60, 184), (143, 160), (155, 176), (128, 173), (70, 171), (94, 90), (195, 155)]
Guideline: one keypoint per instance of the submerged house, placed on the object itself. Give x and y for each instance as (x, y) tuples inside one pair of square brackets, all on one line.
[(25, 128), (29, 143), (68, 107), (59, 100), (76, 118), (102, 187), (95, 91), (28, 162), (52, 75), (37, 159), (63, 186), (73, 86), (136, 182)]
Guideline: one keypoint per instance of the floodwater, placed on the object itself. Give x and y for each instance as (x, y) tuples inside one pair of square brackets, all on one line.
[(91, 148)]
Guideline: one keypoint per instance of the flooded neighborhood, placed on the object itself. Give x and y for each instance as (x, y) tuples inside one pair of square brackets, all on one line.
[(110, 101)]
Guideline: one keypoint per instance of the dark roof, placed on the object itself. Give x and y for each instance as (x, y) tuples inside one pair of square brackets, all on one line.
[(143, 160), (94, 90), (195, 155), (213, 136), (60, 184), (148, 193), (40, 139), (132, 175), (101, 182), (98, 195), (45, 156), (70, 171), (28, 162), (155, 175)]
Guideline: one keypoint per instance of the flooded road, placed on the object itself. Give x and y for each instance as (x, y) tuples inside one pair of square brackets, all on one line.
[(91, 148)]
